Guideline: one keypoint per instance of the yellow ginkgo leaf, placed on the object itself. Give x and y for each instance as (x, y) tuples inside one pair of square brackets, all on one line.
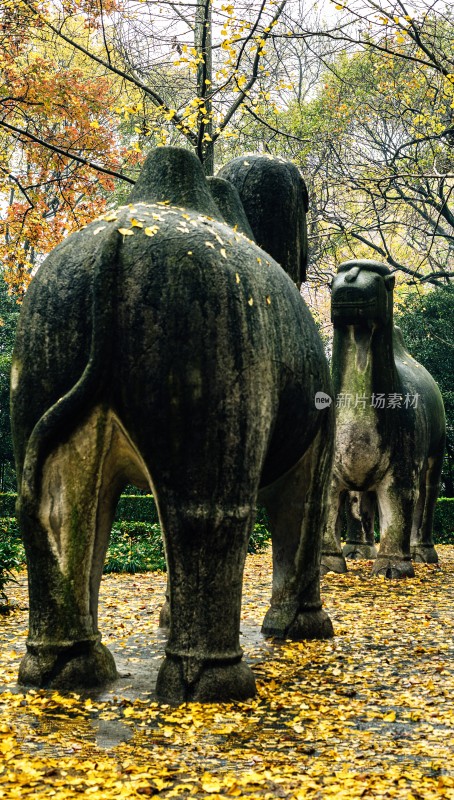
[(211, 784), (126, 231)]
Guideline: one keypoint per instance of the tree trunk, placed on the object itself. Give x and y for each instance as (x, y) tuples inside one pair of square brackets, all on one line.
[(203, 44)]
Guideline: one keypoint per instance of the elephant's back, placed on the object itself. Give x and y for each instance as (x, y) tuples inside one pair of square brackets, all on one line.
[(219, 330), (201, 324), (188, 284)]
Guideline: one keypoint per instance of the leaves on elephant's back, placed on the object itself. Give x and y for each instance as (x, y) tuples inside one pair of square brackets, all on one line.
[(151, 230)]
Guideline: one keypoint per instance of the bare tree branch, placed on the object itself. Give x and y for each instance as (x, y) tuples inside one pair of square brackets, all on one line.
[(65, 153)]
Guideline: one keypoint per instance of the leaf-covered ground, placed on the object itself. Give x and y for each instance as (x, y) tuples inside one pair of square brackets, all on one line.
[(368, 714)]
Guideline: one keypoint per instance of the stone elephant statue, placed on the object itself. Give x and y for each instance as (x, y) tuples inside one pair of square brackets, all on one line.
[(161, 347), (390, 425)]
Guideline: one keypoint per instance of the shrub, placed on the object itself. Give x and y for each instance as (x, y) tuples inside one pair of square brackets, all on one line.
[(261, 535), (11, 557), (137, 508), (444, 521), (135, 547), (7, 504), (136, 543), (138, 546)]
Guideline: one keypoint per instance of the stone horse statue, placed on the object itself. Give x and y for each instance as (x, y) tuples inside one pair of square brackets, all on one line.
[(162, 347), (357, 511), (390, 424)]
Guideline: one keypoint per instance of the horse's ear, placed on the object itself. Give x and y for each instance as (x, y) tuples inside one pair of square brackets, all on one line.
[(390, 281)]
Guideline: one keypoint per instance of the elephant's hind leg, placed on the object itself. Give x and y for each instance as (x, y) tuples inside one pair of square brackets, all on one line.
[(296, 506), (66, 537), (206, 544)]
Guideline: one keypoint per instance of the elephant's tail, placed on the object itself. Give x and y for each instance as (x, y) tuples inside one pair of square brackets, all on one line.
[(67, 411)]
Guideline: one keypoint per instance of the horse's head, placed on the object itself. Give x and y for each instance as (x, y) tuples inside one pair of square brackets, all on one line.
[(362, 294)]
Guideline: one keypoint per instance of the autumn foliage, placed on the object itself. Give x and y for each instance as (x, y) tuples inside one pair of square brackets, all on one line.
[(367, 715), (89, 87), (49, 96)]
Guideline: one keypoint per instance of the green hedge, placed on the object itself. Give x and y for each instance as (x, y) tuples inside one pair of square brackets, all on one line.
[(142, 508), (135, 543), (133, 547), (130, 508), (137, 508), (11, 557), (444, 521), (443, 530)]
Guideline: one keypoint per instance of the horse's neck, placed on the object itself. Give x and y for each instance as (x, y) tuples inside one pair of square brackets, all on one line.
[(363, 361)]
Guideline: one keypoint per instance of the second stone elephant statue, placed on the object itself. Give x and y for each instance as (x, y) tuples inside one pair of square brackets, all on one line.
[(160, 346)]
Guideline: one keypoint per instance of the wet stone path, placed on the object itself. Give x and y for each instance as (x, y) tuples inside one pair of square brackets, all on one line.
[(368, 714)]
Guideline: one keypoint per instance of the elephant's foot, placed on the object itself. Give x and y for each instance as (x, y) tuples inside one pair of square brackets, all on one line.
[(210, 682), (164, 615), (424, 554), (311, 624), (333, 562), (359, 551), (393, 567), (69, 666)]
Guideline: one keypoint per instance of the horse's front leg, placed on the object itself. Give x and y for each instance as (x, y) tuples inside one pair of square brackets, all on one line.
[(396, 506)]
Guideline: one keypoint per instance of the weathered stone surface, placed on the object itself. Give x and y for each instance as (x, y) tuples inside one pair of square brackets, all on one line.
[(229, 204), (394, 452), (162, 348), (360, 510), (275, 200), (172, 178)]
